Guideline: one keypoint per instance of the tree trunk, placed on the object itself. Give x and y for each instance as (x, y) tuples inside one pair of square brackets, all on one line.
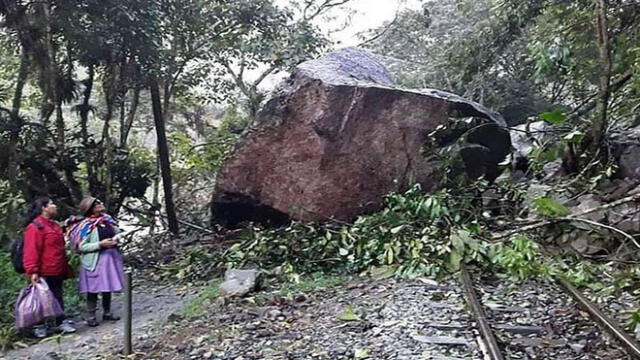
[(84, 110), (49, 72), (198, 123), (16, 121), (20, 83), (14, 138), (111, 99), (128, 123), (167, 109), (599, 127), (163, 154), (155, 197)]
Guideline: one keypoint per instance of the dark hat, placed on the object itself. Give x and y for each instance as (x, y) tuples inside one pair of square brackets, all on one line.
[(87, 204)]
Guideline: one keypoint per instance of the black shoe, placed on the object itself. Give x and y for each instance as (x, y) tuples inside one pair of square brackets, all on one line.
[(110, 316), (92, 322)]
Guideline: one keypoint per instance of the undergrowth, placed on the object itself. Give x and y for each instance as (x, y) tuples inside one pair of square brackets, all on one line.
[(203, 301), (416, 234)]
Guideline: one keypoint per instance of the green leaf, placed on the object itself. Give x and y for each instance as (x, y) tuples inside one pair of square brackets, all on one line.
[(454, 260), (549, 207), (459, 239), (349, 315), (397, 229), (555, 117), (382, 272), (361, 353), (574, 137), (634, 322), (389, 255)]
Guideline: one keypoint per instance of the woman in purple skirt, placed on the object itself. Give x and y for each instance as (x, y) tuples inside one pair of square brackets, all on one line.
[(101, 270)]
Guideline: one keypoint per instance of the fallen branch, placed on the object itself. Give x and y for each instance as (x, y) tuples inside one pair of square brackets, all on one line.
[(628, 199), (193, 226), (612, 228), (577, 217), (590, 105)]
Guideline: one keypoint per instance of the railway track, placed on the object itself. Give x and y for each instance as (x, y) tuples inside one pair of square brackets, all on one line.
[(541, 320)]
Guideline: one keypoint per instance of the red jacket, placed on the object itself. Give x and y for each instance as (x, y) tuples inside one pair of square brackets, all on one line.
[(44, 251)]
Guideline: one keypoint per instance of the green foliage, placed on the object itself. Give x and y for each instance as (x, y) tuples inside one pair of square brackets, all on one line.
[(633, 323), (580, 274), (194, 165), (202, 303), (194, 264), (72, 298), (414, 233), (11, 202), (205, 158), (132, 173), (471, 47), (312, 282), (465, 248), (519, 257), (548, 207), (555, 117), (628, 279), (348, 314), (8, 337), (12, 283)]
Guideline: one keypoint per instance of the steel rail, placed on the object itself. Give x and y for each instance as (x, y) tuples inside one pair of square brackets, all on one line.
[(599, 317), (481, 317)]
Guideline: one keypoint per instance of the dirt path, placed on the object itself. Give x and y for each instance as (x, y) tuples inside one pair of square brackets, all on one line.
[(151, 305)]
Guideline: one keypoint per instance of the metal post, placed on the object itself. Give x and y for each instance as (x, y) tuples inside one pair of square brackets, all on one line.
[(127, 313)]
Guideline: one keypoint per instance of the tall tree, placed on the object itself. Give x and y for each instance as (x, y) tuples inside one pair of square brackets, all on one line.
[(599, 127), (163, 154)]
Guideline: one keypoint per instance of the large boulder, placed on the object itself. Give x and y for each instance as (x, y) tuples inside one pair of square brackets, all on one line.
[(337, 137), (627, 150)]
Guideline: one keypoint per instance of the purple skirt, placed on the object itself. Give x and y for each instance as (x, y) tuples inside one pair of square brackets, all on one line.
[(108, 276)]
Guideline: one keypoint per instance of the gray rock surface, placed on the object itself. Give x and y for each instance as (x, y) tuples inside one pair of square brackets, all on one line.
[(238, 282)]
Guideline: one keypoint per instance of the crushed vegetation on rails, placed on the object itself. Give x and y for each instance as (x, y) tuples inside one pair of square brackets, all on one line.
[(406, 256)]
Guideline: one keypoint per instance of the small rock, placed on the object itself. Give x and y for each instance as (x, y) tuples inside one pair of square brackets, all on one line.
[(238, 282), (587, 202), (441, 340), (521, 330), (447, 326), (578, 348), (553, 169), (630, 162)]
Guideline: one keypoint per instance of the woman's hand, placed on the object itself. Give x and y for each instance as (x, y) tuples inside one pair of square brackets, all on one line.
[(108, 243), (34, 278)]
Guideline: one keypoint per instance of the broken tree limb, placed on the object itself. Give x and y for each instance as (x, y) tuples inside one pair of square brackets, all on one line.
[(194, 226), (609, 227), (185, 223), (628, 199), (590, 104), (567, 219), (577, 217)]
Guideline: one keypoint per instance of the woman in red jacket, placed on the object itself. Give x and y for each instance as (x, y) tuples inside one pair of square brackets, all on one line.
[(45, 257)]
